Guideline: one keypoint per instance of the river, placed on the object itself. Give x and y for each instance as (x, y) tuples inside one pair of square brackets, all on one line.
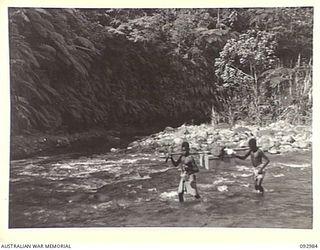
[(140, 190)]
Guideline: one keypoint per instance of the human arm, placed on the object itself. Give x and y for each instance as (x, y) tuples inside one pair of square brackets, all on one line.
[(177, 162), (242, 157)]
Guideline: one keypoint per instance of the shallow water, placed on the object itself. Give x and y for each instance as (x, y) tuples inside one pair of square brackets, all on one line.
[(125, 190)]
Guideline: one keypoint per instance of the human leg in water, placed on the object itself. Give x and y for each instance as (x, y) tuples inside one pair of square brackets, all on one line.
[(259, 185), (181, 189), (180, 195), (258, 178)]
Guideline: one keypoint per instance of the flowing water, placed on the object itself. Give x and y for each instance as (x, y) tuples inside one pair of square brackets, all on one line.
[(140, 190)]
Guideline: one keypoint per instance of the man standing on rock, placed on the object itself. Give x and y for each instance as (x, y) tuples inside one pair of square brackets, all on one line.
[(188, 169), (256, 159)]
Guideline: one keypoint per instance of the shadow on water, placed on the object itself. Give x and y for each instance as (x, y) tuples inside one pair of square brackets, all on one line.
[(124, 190)]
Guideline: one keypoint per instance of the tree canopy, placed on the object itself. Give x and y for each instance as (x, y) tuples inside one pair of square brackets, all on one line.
[(73, 69)]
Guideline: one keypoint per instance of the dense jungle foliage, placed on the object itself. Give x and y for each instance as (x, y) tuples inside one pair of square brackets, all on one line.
[(75, 69)]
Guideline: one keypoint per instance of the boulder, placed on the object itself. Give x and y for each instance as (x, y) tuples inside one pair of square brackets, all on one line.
[(301, 144), (285, 148), (204, 147), (264, 142), (217, 137), (243, 144), (222, 126), (276, 144), (134, 144), (288, 139), (195, 146), (169, 129), (178, 141), (236, 139), (114, 150), (154, 144), (244, 136), (210, 140), (242, 130), (266, 132), (279, 133), (289, 132), (274, 150)]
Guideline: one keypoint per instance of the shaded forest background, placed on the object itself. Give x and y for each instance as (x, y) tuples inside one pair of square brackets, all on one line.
[(76, 69)]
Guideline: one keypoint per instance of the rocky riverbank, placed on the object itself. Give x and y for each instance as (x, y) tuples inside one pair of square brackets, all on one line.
[(279, 137)]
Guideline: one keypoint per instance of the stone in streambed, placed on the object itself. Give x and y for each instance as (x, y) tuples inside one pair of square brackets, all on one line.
[(288, 139), (285, 148), (274, 150), (276, 144), (243, 144), (301, 144)]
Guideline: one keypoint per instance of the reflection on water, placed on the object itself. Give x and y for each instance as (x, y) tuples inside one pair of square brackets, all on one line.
[(114, 190)]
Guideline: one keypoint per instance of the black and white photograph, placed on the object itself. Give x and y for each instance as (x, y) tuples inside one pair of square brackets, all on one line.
[(161, 117)]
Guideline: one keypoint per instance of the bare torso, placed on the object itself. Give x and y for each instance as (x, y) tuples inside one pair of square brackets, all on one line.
[(187, 164), (256, 157)]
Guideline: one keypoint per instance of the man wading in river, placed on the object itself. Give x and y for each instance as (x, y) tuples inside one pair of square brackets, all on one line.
[(256, 159), (188, 169)]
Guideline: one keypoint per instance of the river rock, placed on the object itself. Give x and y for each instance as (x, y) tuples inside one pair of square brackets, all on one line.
[(242, 130), (300, 129), (289, 132), (154, 145), (274, 150), (177, 141), (264, 142), (301, 144), (222, 125), (236, 139), (210, 140), (279, 134), (265, 132), (165, 142), (217, 137), (114, 150), (276, 144), (169, 129), (243, 143), (205, 147), (288, 138), (211, 130), (244, 136), (285, 148), (277, 137)]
